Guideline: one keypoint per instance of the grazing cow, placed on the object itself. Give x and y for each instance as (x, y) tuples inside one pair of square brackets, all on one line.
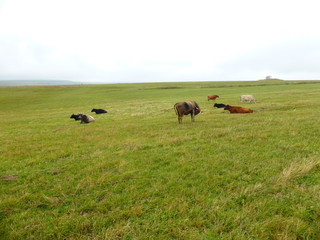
[(234, 109), (212, 97), (185, 108), (98, 111), (85, 118), (75, 117), (247, 98), (219, 105)]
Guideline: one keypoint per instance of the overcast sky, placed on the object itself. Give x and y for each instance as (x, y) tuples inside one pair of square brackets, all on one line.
[(159, 40)]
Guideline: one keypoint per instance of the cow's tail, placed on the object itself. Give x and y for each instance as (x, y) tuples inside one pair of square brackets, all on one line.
[(175, 108)]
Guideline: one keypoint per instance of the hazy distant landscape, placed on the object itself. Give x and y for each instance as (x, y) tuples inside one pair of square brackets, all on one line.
[(12, 83)]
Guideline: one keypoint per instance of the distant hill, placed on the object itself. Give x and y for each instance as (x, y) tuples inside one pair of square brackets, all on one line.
[(12, 83)]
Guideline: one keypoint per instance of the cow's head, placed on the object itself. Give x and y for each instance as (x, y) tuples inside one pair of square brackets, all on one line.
[(227, 107), (197, 111), (75, 117), (93, 110)]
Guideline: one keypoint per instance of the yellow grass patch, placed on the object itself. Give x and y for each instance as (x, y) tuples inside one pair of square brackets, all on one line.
[(298, 169)]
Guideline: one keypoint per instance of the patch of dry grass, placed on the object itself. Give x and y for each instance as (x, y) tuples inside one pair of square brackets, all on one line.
[(298, 169)]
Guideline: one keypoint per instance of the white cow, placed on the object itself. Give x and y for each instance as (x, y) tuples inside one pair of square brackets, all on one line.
[(85, 118), (247, 98)]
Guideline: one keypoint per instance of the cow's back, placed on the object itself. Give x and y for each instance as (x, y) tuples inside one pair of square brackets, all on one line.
[(236, 109), (191, 104), (183, 108), (187, 107)]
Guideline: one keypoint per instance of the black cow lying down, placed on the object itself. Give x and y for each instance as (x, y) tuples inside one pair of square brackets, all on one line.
[(75, 117), (98, 111), (219, 105)]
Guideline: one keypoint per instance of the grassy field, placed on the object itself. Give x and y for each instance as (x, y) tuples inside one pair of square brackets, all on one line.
[(135, 173)]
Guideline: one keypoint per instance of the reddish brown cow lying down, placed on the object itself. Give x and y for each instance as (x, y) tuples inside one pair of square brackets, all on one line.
[(212, 97), (238, 109)]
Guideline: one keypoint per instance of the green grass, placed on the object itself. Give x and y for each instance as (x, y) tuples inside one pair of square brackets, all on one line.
[(135, 173)]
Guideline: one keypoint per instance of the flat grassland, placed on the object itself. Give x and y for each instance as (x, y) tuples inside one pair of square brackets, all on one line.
[(135, 173)]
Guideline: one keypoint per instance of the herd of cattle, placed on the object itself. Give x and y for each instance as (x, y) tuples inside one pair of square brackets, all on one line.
[(191, 107), (181, 108)]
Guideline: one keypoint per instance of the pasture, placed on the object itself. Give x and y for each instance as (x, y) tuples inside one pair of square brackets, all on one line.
[(135, 173)]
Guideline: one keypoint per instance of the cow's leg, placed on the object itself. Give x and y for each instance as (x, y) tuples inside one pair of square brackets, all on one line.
[(180, 118), (192, 116)]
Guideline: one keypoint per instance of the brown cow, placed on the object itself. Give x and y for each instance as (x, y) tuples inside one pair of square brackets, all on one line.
[(234, 109), (185, 108), (212, 97)]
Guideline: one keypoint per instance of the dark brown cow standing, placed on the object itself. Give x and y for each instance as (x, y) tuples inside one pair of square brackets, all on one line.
[(235, 109), (185, 108), (212, 97)]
